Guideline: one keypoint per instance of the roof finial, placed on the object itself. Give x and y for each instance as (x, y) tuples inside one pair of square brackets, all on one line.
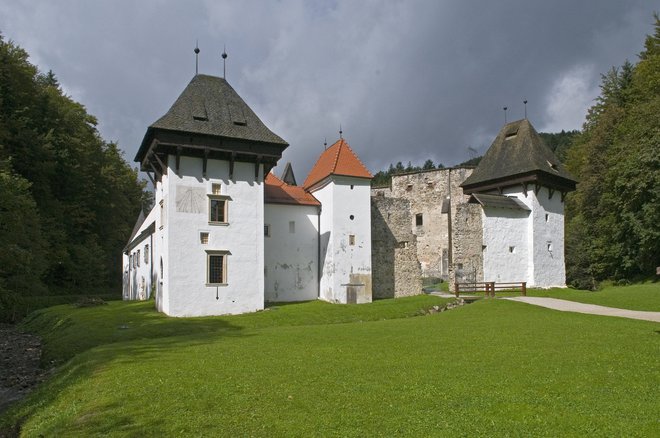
[(525, 103), (224, 62), (325, 143), (505, 108), (196, 57), (340, 132)]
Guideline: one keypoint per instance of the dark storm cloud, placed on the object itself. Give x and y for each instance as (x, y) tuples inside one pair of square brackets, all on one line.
[(407, 80)]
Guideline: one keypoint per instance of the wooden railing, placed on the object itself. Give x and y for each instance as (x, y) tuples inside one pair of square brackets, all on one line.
[(489, 287)]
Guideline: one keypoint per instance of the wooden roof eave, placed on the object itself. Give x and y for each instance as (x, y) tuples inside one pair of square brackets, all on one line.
[(541, 178)]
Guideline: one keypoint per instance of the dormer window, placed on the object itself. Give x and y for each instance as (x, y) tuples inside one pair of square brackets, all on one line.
[(201, 118)]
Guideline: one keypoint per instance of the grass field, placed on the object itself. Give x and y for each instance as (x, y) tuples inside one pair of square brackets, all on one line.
[(490, 368)]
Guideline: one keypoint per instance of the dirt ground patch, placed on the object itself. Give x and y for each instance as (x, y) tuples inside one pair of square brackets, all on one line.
[(20, 370)]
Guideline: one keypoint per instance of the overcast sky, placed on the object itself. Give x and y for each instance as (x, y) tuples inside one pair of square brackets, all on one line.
[(407, 80)]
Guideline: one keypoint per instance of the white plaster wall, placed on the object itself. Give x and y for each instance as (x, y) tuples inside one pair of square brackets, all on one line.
[(185, 276), (138, 280), (545, 268), (324, 195), (161, 240), (504, 228), (291, 259), (345, 264), (549, 269)]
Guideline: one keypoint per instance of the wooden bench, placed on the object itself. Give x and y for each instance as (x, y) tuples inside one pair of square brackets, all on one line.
[(489, 287)]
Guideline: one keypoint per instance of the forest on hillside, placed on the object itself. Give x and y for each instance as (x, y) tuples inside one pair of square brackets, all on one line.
[(68, 198)]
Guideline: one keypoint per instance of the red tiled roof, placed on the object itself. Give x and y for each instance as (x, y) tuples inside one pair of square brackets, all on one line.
[(338, 159), (277, 191)]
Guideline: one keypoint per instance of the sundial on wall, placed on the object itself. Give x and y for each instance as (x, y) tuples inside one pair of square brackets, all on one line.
[(190, 199)]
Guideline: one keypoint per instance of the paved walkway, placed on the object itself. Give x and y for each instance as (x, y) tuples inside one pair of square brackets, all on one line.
[(572, 306)]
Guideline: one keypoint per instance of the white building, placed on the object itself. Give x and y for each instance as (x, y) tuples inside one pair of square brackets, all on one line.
[(224, 236), (521, 185)]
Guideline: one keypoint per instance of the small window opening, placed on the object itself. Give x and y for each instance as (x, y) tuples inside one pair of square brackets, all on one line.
[(549, 246), (240, 123), (138, 258), (351, 217), (547, 216), (512, 249), (351, 239), (292, 227), (215, 189), (204, 238), (409, 187), (352, 186), (419, 219), (267, 230), (483, 248), (201, 118)]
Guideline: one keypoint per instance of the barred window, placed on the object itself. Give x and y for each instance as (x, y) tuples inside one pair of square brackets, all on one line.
[(216, 267)]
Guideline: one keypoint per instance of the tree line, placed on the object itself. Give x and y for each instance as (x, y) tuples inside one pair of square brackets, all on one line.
[(68, 198)]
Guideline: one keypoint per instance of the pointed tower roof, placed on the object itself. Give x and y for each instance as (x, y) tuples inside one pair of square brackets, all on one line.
[(277, 191), (338, 159), (517, 156), (210, 114), (288, 176)]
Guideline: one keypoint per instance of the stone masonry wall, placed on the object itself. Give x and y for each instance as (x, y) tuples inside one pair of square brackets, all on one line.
[(425, 192), (467, 237), (395, 268)]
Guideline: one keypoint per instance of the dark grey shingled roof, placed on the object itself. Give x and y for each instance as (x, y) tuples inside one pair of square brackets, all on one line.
[(498, 201), (518, 153), (210, 106)]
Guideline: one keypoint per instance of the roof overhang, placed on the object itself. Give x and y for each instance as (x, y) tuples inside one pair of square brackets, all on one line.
[(537, 178), (140, 237), (498, 201)]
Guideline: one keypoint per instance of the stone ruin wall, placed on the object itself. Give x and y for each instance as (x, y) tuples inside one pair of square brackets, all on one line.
[(394, 266), (467, 237), (425, 192)]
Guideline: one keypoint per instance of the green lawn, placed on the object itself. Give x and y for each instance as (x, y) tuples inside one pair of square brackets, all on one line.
[(488, 368), (634, 297)]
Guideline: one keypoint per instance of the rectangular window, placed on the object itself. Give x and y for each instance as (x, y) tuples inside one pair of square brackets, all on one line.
[(267, 230), (215, 189), (204, 238), (351, 239), (217, 210), (138, 258), (146, 254), (419, 219), (292, 227), (216, 267)]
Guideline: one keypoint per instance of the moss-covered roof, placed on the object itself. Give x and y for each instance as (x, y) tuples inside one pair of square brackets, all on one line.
[(518, 154), (210, 106)]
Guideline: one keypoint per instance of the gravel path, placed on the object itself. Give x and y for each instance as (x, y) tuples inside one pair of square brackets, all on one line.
[(20, 370), (572, 306)]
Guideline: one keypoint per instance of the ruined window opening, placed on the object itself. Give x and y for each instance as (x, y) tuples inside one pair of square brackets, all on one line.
[(146, 254), (351, 239), (204, 238), (351, 217), (266, 230), (216, 272), (419, 219), (512, 249), (409, 187), (292, 227)]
